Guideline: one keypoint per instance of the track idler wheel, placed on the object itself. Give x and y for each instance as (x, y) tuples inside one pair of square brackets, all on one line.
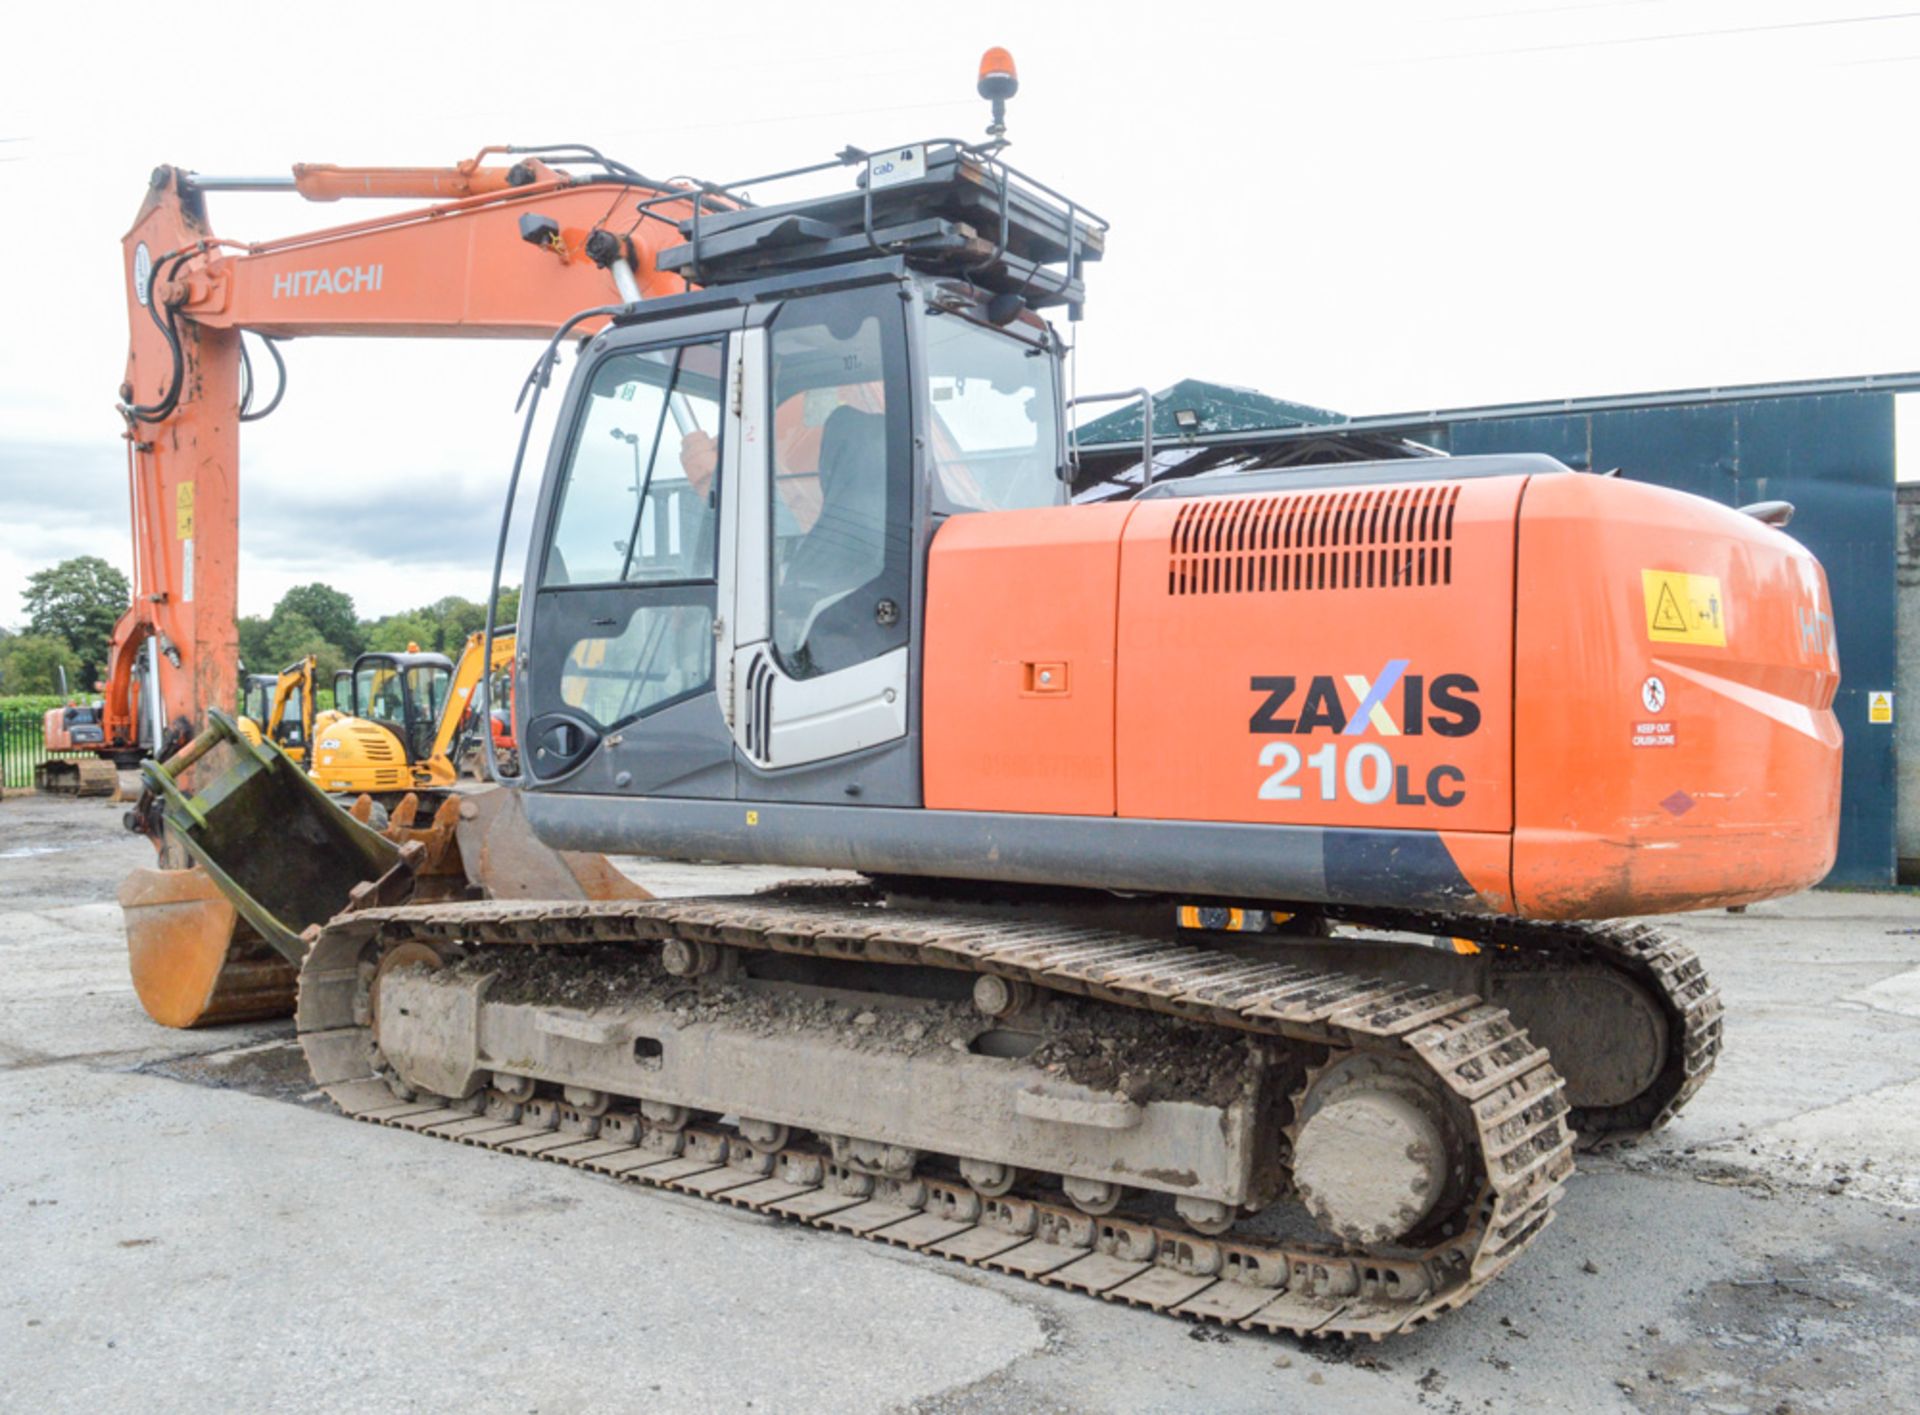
[(1375, 1153), (685, 958)]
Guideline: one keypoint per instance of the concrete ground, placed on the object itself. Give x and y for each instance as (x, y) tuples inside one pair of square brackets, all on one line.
[(185, 1226)]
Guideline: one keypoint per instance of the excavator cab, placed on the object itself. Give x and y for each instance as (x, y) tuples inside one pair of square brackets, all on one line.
[(728, 557), (256, 701), (404, 693)]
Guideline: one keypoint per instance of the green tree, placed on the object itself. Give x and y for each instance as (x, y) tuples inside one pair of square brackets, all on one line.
[(396, 631), (454, 619), (291, 639), (325, 609), (507, 608), (287, 634), (31, 663), (78, 602), (253, 644)]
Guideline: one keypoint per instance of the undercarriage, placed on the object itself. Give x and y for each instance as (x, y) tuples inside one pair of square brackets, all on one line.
[(1269, 1143)]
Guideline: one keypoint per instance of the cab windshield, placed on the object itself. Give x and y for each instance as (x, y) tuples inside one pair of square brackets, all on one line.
[(290, 730), (379, 693), (427, 685), (257, 699), (996, 439), (406, 699)]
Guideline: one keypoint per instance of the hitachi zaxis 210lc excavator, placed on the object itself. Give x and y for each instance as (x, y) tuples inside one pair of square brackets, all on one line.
[(1235, 861)]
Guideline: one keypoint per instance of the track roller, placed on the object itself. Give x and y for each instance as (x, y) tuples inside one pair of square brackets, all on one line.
[(1093, 1196)]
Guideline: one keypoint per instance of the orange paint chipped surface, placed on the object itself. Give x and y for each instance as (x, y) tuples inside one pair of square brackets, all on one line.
[(193, 962)]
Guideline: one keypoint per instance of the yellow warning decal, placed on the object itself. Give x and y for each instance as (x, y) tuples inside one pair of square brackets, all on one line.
[(183, 511), (1683, 608)]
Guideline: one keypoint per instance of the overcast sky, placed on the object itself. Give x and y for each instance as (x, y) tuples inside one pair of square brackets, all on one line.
[(1370, 206)]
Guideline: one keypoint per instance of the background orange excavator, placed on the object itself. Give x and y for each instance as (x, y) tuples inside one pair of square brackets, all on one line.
[(511, 250)]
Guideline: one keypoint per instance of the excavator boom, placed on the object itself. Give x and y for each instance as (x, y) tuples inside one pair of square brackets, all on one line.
[(504, 257), (507, 250)]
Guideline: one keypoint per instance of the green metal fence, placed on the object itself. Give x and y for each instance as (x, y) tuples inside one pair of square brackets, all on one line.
[(23, 746)]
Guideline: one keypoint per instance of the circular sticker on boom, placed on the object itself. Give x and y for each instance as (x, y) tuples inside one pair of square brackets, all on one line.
[(142, 271), (1653, 694)]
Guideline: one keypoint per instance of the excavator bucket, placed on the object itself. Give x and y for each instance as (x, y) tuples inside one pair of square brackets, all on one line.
[(276, 845), (274, 855), (195, 961)]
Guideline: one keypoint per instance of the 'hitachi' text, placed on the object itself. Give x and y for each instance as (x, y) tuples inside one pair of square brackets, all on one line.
[(346, 280)]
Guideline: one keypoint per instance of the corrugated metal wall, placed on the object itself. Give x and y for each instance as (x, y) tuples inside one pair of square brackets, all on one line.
[(1832, 456)]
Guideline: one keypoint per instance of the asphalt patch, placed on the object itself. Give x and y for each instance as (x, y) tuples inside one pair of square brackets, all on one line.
[(275, 1070)]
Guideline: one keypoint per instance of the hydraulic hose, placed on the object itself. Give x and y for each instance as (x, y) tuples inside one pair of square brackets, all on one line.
[(280, 387), (537, 379), (160, 411)]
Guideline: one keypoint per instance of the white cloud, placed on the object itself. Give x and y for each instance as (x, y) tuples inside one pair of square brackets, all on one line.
[(1328, 203)]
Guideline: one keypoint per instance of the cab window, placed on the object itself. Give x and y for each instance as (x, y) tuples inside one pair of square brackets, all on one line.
[(842, 482), (628, 580), (379, 693), (289, 731), (995, 443), (427, 685), (638, 503)]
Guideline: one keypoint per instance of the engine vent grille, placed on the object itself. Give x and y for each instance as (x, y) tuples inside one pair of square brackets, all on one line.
[(1368, 538)]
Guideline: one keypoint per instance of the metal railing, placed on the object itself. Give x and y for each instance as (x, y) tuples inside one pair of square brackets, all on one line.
[(23, 746)]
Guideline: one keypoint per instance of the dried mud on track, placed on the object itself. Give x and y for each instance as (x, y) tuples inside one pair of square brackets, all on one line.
[(171, 1236), (1140, 1055)]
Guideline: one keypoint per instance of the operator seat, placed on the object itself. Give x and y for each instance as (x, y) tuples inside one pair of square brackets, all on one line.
[(839, 573)]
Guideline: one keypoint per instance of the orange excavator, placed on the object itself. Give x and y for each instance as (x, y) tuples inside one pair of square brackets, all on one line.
[(1237, 922), (506, 254)]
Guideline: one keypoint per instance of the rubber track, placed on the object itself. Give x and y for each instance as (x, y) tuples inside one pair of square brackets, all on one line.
[(1501, 1080), (1649, 955)]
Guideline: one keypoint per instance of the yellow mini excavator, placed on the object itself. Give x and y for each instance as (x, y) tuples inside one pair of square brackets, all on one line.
[(280, 706), (401, 719)]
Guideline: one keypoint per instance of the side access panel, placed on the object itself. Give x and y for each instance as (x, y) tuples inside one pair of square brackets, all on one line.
[(1327, 658), (1019, 661)]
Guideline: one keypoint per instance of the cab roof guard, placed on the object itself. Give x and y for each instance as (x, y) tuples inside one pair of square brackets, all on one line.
[(948, 206)]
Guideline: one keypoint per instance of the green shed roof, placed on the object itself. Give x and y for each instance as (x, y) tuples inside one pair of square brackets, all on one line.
[(1221, 406)]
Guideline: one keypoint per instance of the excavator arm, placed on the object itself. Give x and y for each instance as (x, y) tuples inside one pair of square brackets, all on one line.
[(467, 674), (505, 252), (295, 678)]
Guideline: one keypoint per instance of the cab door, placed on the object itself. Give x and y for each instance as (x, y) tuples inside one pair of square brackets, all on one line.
[(628, 561), (823, 603)]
